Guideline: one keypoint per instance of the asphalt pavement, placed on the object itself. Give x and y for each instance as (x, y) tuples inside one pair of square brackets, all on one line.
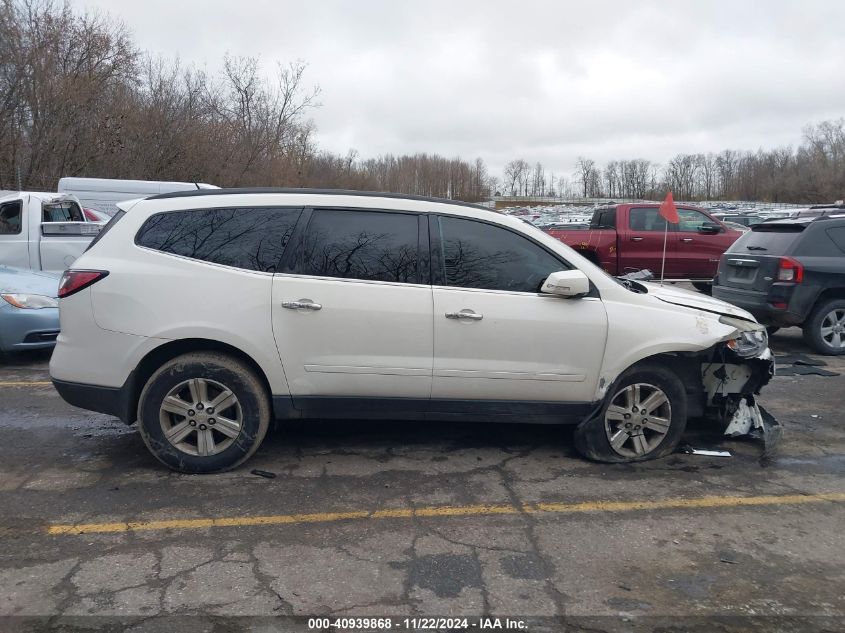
[(416, 520)]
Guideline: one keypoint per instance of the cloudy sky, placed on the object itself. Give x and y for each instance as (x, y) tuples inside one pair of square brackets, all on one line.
[(543, 81)]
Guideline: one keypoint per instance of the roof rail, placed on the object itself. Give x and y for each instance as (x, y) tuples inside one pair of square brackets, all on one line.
[(332, 192)]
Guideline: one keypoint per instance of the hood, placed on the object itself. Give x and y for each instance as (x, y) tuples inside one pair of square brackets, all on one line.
[(695, 300), (18, 280)]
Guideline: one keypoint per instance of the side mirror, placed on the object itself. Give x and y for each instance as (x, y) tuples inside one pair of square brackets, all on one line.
[(566, 283), (709, 228)]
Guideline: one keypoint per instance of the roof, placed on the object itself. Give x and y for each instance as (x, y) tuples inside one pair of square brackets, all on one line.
[(41, 195), (804, 221), (201, 193)]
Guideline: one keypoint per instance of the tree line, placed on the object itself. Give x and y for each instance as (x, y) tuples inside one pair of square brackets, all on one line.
[(814, 172), (78, 97)]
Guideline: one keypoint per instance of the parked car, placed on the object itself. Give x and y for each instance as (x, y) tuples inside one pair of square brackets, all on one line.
[(791, 272), (103, 194), (203, 315), (742, 228), (629, 237), (745, 220), (43, 231), (29, 309)]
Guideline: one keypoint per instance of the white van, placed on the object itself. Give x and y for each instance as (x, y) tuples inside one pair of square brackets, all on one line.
[(102, 194)]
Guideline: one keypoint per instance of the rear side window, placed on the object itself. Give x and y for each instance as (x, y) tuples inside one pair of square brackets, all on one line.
[(478, 255), (248, 238), (10, 218), (837, 236), (647, 219), (768, 239), (366, 245), (604, 219)]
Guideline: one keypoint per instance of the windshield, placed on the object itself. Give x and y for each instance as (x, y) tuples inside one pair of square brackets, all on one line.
[(769, 238)]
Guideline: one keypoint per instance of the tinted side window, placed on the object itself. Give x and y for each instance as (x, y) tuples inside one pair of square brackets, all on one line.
[(10, 218), (647, 219), (251, 238), (604, 219), (479, 255), (368, 245)]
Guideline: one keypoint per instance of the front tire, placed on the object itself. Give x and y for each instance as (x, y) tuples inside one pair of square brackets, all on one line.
[(203, 412), (824, 330), (644, 418)]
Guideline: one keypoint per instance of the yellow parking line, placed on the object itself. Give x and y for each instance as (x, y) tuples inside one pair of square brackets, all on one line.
[(448, 511), (25, 383)]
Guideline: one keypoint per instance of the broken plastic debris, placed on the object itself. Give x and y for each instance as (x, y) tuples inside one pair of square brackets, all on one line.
[(689, 450), (798, 359), (263, 473), (639, 275), (805, 370)]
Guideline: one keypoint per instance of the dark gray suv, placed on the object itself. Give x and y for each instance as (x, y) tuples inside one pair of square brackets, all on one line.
[(791, 272)]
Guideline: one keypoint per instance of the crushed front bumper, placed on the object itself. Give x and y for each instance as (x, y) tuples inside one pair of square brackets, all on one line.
[(731, 388)]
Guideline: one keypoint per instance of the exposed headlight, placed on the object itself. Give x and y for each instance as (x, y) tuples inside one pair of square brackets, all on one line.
[(30, 302), (752, 339)]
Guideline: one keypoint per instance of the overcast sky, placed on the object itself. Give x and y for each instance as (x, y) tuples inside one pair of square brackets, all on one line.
[(543, 81)]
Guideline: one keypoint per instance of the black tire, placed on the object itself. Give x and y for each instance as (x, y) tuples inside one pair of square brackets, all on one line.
[(704, 287), (592, 438), (813, 327), (216, 369)]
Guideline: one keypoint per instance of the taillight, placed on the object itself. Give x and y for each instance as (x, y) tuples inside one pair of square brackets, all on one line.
[(790, 270), (75, 280)]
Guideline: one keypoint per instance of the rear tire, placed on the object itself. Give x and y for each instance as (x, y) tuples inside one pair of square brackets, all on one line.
[(824, 329), (178, 421), (704, 287), (622, 432)]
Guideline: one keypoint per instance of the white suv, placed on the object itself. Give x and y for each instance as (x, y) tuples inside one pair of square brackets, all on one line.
[(202, 315)]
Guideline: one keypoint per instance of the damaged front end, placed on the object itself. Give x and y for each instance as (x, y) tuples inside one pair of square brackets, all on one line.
[(733, 373)]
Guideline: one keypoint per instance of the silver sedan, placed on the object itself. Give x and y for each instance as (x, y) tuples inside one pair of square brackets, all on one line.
[(29, 310)]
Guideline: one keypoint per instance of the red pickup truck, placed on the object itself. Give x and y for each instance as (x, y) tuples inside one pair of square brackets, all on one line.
[(626, 237)]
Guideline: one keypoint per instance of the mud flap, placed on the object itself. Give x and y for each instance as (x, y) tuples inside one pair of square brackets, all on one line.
[(752, 420)]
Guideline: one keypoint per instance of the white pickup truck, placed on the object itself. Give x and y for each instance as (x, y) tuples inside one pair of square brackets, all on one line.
[(43, 231)]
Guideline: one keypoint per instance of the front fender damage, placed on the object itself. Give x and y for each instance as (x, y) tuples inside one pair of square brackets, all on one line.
[(731, 385)]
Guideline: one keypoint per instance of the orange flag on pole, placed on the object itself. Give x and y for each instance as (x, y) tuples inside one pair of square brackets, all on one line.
[(668, 209)]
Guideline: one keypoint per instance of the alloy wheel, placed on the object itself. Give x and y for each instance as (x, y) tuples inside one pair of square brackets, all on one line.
[(201, 417), (637, 419), (833, 328)]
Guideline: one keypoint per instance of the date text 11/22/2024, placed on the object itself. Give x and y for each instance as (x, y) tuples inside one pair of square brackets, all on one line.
[(417, 624)]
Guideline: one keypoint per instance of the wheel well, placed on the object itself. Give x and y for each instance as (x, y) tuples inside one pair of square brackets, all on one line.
[(828, 294), (163, 353), (687, 366)]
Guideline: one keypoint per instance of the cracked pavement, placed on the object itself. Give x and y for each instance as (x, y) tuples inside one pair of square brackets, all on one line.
[(60, 465)]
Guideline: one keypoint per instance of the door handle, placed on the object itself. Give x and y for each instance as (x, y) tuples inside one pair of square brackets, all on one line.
[(686, 239), (302, 304), (636, 239), (465, 314)]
